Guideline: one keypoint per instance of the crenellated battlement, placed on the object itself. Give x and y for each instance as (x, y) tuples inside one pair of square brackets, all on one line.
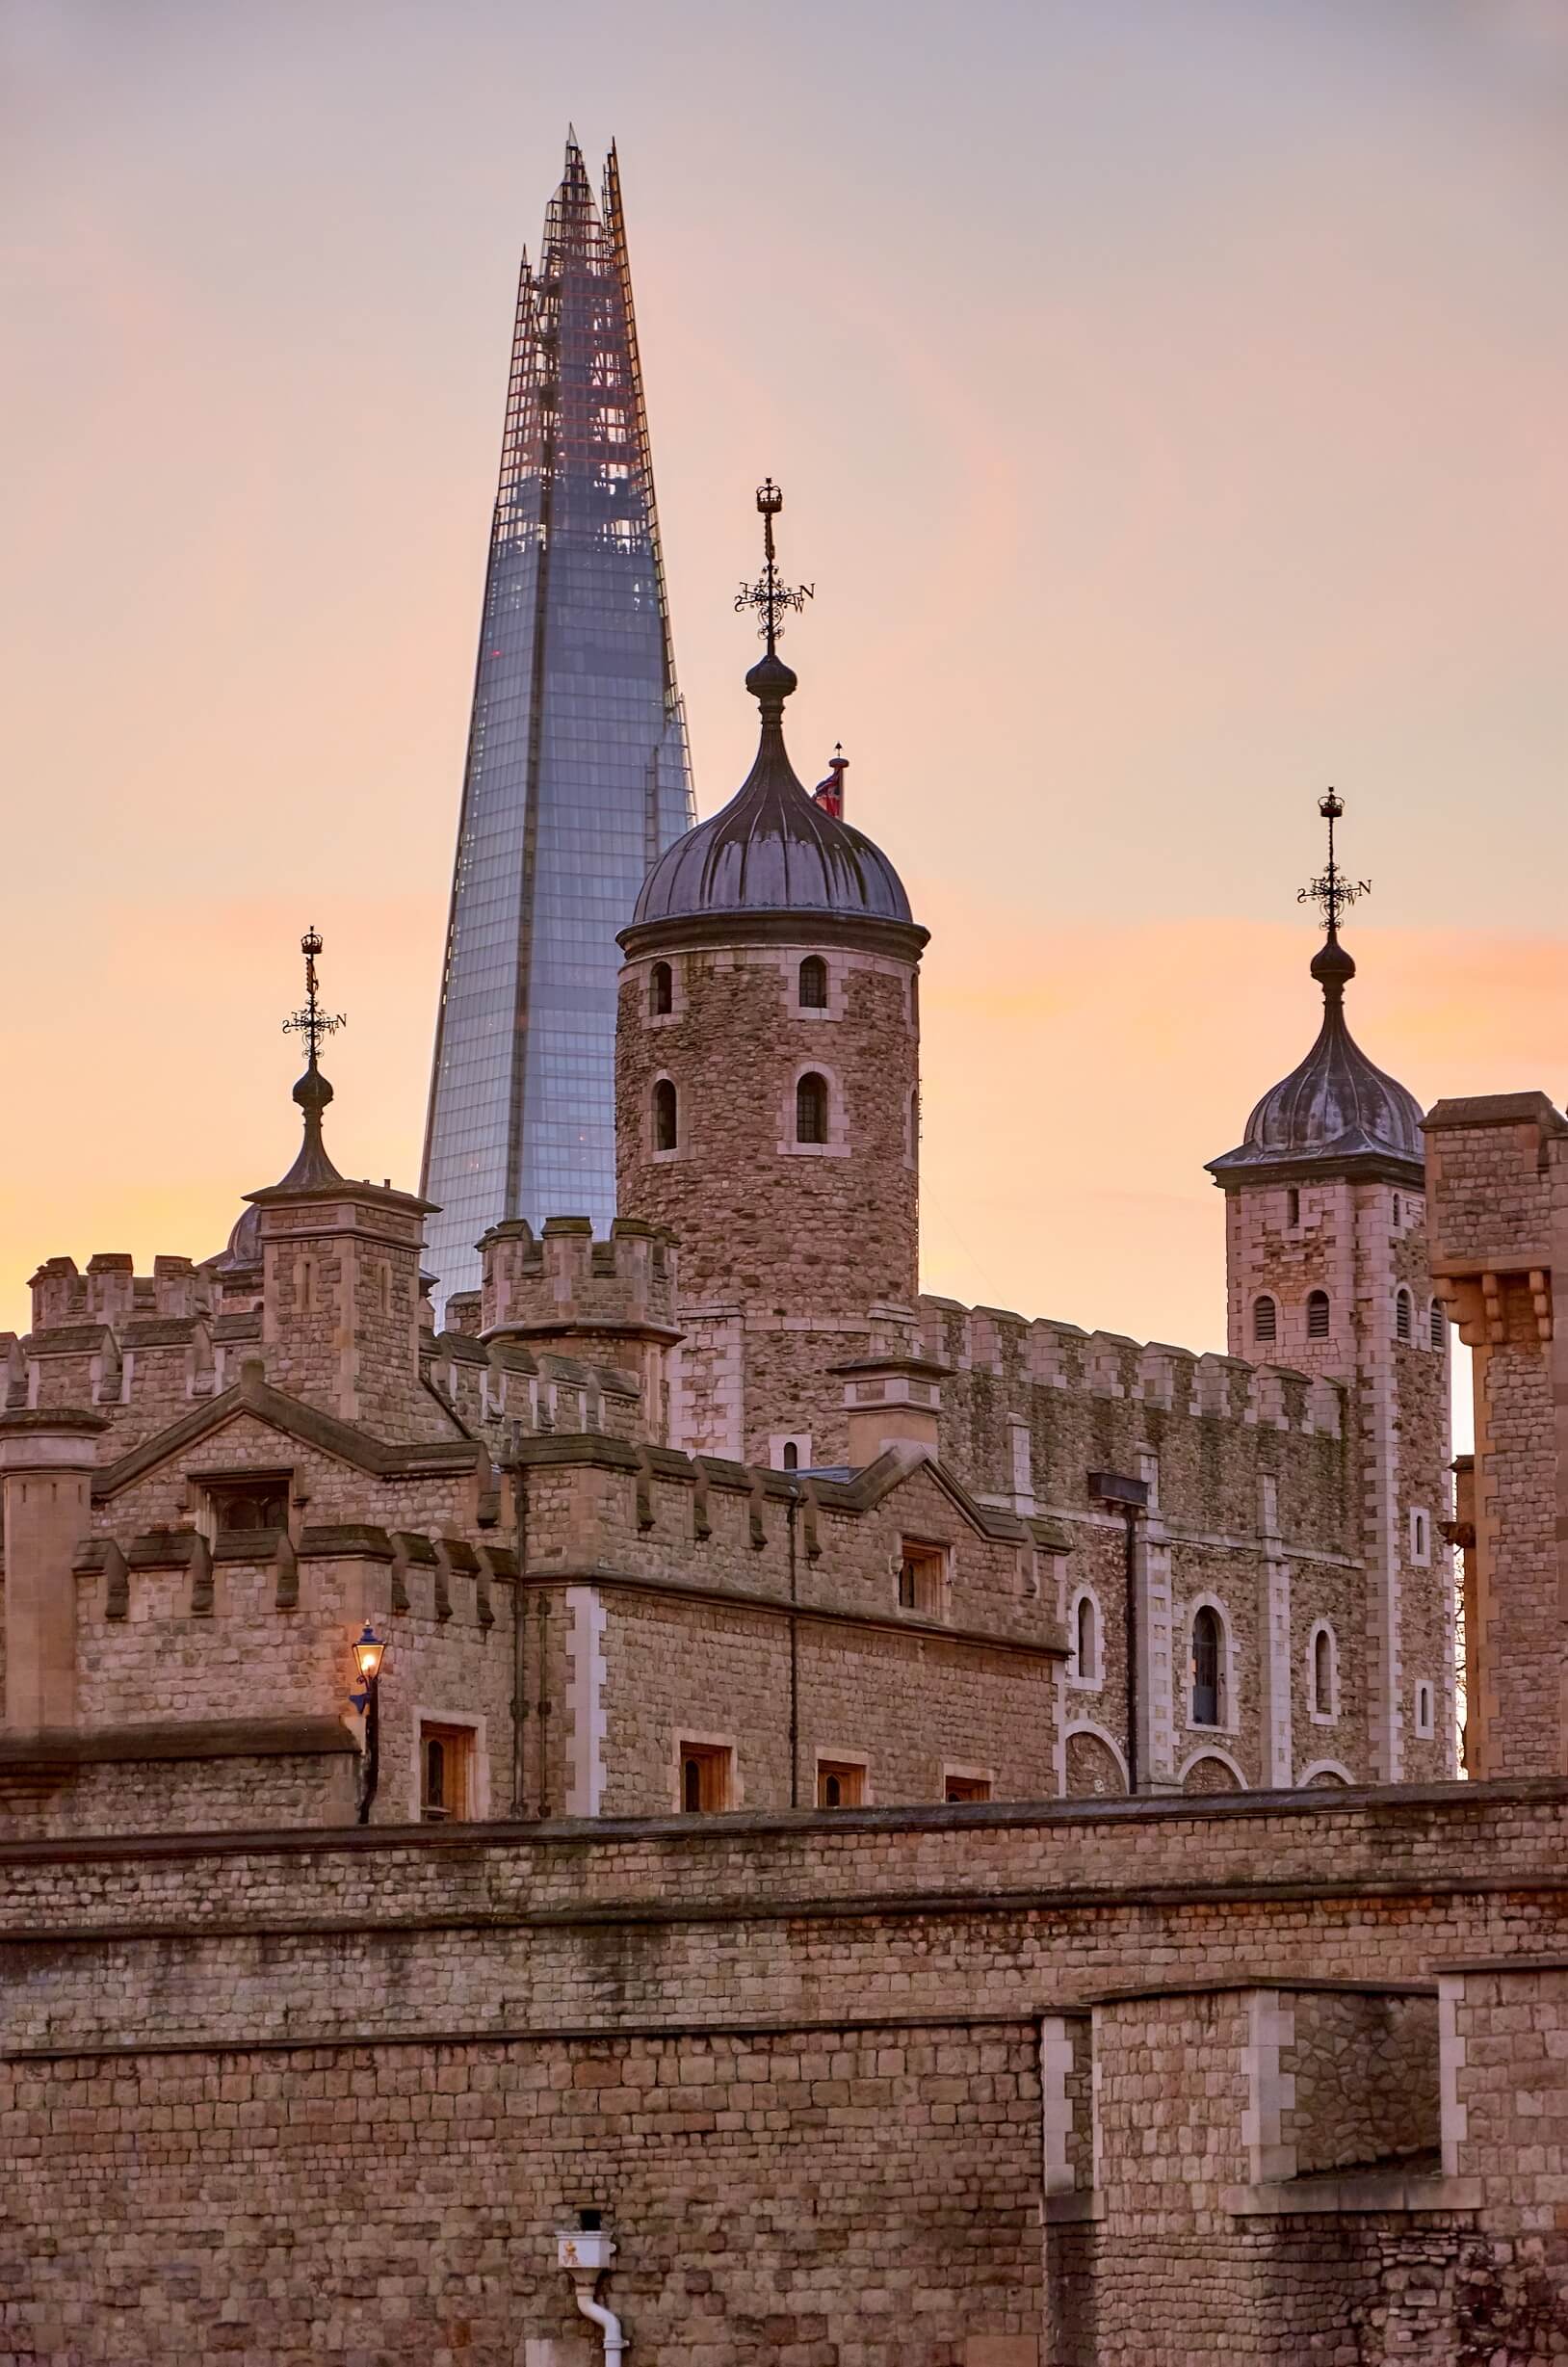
[(111, 1292), (564, 1280), (1185, 1382)]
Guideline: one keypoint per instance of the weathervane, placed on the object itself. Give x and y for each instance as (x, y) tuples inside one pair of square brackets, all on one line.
[(767, 595), (1331, 891), (312, 1022)]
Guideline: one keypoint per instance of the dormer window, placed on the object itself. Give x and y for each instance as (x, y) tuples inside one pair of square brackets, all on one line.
[(249, 1507)]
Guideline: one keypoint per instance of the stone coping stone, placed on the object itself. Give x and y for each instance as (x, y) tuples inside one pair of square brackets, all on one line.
[(1390, 1802), (1353, 2190), (1282, 1984), (1496, 1110), (1506, 1964), (229, 1738)]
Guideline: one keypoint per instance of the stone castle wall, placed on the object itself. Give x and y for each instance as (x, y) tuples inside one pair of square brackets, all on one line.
[(433, 2049)]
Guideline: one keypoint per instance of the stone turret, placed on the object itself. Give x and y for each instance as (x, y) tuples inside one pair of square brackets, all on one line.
[(1327, 1268), (609, 1304), (766, 1101)]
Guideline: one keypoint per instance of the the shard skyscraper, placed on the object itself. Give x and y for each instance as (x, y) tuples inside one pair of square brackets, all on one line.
[(577, 773)]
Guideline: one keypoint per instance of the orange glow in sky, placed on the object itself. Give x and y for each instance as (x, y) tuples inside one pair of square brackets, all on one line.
[(1169, 400)]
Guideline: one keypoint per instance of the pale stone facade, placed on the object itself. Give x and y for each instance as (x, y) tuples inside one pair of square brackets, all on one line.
[(741, 1845)]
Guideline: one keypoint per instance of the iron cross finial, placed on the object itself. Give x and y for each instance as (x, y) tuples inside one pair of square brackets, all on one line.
[(767, 595), (1331, 891), (312, 1022)]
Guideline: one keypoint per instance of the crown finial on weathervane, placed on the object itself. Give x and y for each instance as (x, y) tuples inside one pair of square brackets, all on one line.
[(1332, 893), (770, 681), (313, 1092)]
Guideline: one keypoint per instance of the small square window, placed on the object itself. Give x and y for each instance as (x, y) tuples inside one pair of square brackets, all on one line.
[(707, 1777), (966, 1787), (841, 1783), (921, 1572), (446, 1773)]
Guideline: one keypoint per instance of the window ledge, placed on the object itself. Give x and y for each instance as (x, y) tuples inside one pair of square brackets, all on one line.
[(814, 1151)]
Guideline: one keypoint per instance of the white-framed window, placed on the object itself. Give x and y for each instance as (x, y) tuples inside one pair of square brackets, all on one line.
[(813, 1119), (1322, 1674), (665, 1118), (1420, 1536), (1086, 1638), (811, 983), (1209, 1673), (1425, 1722)]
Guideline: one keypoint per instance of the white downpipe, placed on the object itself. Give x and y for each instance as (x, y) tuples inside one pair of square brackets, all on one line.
[(584, 2282)]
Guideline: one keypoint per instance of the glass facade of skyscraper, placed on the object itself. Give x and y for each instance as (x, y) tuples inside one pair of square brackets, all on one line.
[(577, 774)]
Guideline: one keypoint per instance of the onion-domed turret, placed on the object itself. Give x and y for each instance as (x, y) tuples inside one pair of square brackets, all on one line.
[(772, 849), (1336, 1111)]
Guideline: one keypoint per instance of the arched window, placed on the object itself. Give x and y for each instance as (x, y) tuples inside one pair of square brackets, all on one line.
[(1205, 1655), (1424, 1723), (1316, 1314), (665, 1117), (661, 989), (1439, 1326), (813, 986), (1087, 1640), (1403, 1316), (1322, 1673), (1265, 1320), (791, 1455), (811, 1109)]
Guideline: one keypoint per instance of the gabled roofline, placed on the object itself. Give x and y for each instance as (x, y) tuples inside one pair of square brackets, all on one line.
[(252, 1394)]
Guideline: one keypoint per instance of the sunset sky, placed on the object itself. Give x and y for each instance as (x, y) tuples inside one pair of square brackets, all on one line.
[(1169, 398)]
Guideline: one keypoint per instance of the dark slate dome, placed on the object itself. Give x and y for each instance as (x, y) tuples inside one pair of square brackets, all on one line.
[(1336, 1109), (772, 849)]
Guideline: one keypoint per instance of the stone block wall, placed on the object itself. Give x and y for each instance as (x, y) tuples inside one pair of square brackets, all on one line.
[(1497, 1172), (860, 2195)]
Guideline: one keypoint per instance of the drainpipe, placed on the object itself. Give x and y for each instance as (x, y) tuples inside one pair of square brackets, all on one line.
[(1131, 1498), (586, 2256), (794, 1656)]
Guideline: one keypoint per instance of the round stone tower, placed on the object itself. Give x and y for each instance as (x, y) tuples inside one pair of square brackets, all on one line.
[(766, 1078)]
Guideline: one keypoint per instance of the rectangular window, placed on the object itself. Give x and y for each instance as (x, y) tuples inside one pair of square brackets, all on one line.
[(1424, 1711), (966, 1787), (921, 1572), (1421, 1538), (707, 1777), (254, 1503), (446, 1773), (841, 1783)]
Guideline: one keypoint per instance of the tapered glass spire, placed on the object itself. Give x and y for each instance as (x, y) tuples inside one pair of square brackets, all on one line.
[(577, 776)]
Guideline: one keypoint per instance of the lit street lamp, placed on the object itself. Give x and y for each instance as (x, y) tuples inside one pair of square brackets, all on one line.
[(369, 1651)]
